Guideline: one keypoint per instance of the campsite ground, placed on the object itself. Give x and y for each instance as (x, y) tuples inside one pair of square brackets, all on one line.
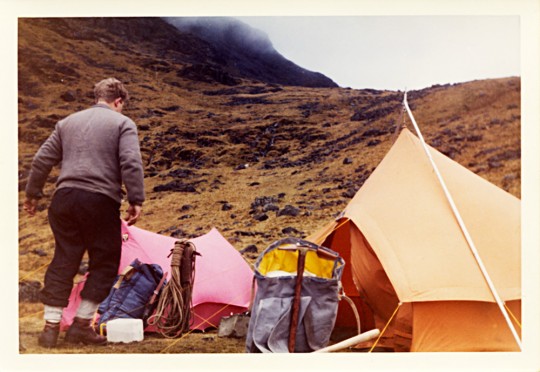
[(236, 158), (193, 342)]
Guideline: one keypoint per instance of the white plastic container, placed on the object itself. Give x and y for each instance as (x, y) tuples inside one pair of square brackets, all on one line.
[(125, 330)]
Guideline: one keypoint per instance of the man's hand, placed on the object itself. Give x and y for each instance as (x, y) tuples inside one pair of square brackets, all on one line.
[(30, 205), (133, 214)]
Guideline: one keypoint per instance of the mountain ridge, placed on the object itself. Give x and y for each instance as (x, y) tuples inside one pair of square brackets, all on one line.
[(249, 52), (193, 46)]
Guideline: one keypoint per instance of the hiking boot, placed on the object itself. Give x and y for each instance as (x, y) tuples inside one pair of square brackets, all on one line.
[(49, 335), (81, 331)]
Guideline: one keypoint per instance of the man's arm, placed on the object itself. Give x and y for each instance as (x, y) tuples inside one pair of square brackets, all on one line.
[(133, 213), (132, 170), (48, 155), (30, 205)]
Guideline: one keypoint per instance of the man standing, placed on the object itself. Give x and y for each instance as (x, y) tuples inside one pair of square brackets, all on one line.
[(98, 149)]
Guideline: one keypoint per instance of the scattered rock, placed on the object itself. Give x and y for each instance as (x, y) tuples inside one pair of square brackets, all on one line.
[(178, 233), (289, 210), (21, 238), (506, 155), (226, 207), (261, 201), (270, 207), (176, 186), (245, 233), (208, 142), (181, 173), (241, 166), (207, 73), (290, 231), (374, 113), (475, 138), (451, 152), (40, 252), (495, 164), (150, 113), (169, 229), (240, 101), (260, 217), (171, 108), (348, 160), (357, 116), (374, 133), (436, 142), (253, 233), (508, 180), (29, 291), (350, 193), (252, 248), (69, 96)]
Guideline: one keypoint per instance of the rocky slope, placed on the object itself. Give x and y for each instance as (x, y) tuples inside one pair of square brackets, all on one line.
[(258, 152)]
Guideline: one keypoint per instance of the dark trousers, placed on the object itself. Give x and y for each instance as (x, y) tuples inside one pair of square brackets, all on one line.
[(82, 221)]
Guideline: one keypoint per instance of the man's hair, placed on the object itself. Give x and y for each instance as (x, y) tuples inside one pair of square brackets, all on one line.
[(109, 90)]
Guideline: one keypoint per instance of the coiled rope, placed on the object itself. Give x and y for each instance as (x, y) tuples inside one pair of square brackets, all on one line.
[(173, 312)]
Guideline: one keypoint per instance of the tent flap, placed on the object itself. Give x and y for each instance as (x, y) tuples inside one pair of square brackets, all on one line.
[(462, 326)]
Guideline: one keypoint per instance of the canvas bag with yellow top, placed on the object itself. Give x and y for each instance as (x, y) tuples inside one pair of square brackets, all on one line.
[(291, 312)]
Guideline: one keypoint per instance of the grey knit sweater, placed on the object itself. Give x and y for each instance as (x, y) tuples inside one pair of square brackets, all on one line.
[(98, 149)]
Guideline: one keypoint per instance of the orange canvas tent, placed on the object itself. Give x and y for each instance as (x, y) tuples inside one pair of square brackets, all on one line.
[(409, 265)]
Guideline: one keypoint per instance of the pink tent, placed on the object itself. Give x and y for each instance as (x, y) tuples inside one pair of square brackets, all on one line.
[(223, 278)]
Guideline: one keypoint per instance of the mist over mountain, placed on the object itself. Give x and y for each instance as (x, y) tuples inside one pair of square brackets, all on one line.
[(248, 52), (225, 32)]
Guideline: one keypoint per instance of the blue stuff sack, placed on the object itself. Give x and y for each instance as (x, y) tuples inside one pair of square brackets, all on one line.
[(134, 293)]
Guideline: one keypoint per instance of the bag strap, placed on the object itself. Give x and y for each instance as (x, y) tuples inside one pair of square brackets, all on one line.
[(158, 289), (148, 308), (127, 270)]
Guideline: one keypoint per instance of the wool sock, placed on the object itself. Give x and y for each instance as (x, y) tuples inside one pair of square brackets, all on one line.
[(53, 314), (87, 309)]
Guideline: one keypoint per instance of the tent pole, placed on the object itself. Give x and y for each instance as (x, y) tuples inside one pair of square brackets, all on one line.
[(463, 228)]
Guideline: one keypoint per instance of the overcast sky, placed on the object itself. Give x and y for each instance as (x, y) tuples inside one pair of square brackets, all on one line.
[(397, 52)]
